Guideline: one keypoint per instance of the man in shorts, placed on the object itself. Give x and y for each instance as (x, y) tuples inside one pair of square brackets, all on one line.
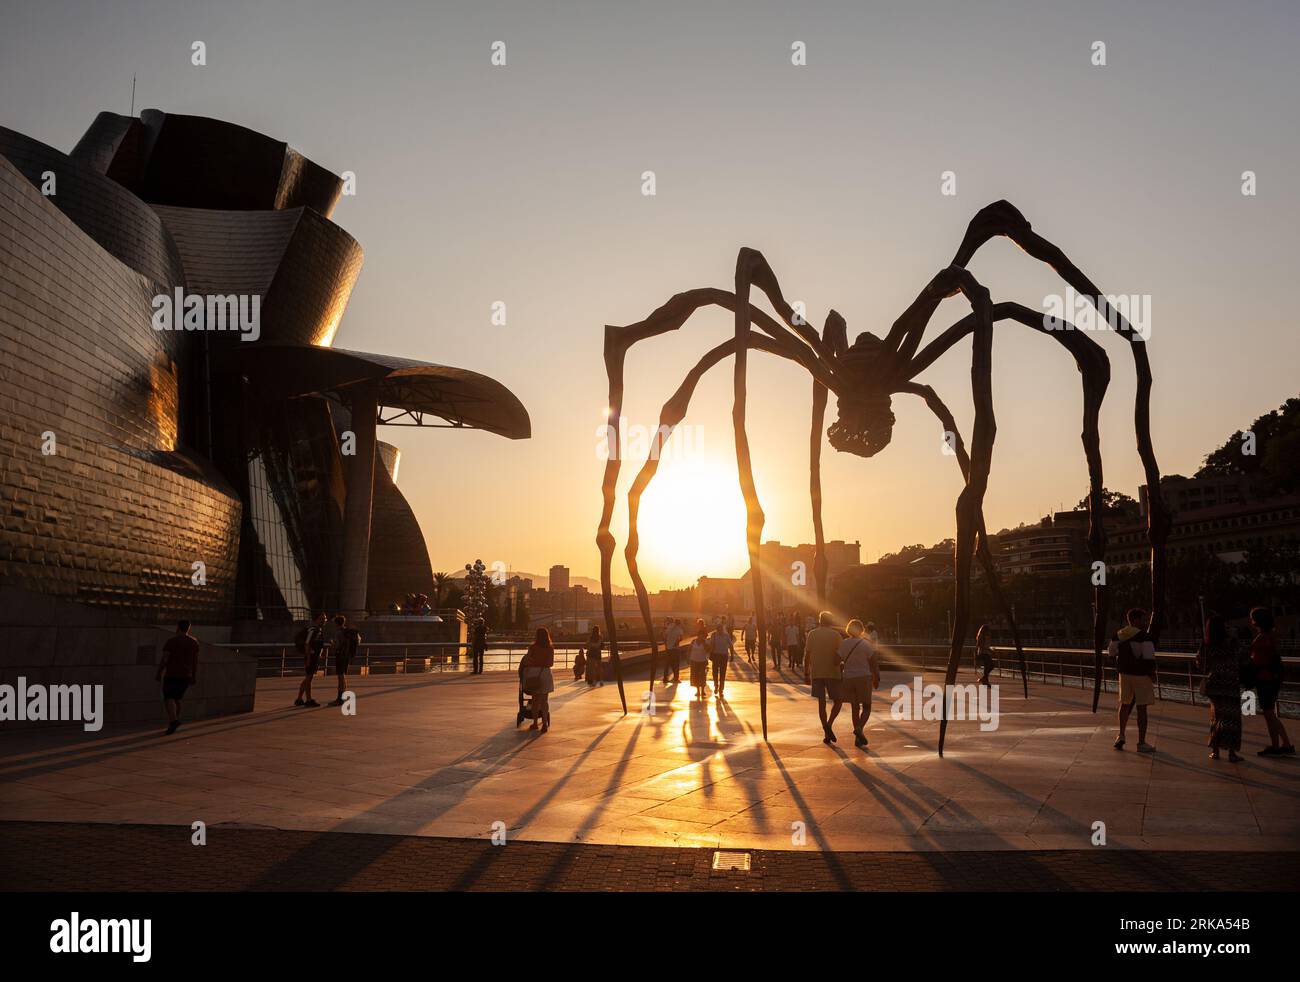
[(313, 647), (178, 670), (822, 670), (1135, 654), (349, 639)]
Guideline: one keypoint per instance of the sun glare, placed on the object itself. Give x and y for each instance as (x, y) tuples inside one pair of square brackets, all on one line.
[(692, 522)]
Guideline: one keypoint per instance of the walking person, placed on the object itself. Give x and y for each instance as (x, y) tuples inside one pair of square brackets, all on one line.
[(983, 653), (793, 647), (822, 670), (672, 650), (178, 670), (349, 640), (1220, 663), (699, 658), (722, 649), (1266, 665), (538, 681), (776, 641), (1135, 653), (860, 675), (313, 647), (595, 672), (751, 639)]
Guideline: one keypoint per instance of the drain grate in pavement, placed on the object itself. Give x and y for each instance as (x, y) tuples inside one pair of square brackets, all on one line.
[(725, 859)]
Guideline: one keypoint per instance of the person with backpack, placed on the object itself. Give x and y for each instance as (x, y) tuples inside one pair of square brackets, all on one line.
[(1266, 665), (349, 640), (312, 646), (1135, 654)]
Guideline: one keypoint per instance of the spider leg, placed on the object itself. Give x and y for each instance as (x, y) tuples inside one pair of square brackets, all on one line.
[(1094, 368), (673, 412), (982, 551), (1003, 218), (618, 341), (835, 334), (753, 270)]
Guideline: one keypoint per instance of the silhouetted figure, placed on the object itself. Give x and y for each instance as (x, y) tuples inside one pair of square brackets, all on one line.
[(478, 648), (857, 658), (178, 670), (538, 682), (722, 649), (672, 650), (700, 659), (1220, 663), (983, 653), (313, 647), (822, 670), (1266, 666), (595, 672), (751, 639), (1135, 654), (349, 640)]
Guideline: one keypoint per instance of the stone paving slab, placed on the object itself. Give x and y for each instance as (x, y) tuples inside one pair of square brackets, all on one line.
[(438, 756), (50, 856)]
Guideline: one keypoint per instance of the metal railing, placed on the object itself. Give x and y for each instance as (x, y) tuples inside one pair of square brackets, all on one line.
[(1177, 676), (397, 658)]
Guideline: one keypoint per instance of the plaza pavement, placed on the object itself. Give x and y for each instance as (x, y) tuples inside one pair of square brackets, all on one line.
[(439, 756)]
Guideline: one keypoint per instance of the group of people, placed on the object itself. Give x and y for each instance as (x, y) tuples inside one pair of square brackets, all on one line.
[(1226, 670), (313, 643)]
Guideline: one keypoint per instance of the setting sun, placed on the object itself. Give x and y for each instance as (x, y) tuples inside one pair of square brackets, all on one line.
[(693, 521)]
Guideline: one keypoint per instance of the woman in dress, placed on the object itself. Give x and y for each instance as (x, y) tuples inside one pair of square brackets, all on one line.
[(538, 681), (1221, 665), (984, 653), (700, 658), (594, 671)]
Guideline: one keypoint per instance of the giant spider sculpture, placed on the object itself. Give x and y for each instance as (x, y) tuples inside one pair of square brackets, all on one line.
[(864, 376)]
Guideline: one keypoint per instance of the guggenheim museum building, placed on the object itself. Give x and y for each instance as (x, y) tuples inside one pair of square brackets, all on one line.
[(179, 435)]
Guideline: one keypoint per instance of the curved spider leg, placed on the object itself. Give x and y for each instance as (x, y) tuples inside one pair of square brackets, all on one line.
[(673, 412), (1003, 218), (618, 341), (835, 334), (985, 556), (970, 502), (1094, 368), (753, 270)]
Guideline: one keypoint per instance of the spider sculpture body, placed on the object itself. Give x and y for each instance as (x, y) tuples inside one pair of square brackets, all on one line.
[(864, 377)]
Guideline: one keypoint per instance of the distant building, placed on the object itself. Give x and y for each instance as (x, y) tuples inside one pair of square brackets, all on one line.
[(1055, 545), (720, 595), (559, 579), (789, 574), (1226, 531)]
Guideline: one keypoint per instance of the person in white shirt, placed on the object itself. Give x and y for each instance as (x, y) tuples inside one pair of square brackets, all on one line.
[(672, 657), (857, 655), (700, 659)]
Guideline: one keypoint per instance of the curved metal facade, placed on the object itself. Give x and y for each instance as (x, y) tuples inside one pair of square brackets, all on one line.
[(142, 466)]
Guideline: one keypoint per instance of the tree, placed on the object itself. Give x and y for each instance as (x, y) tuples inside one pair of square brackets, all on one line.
[(440, 583), (1115, 501), (1275, 460)]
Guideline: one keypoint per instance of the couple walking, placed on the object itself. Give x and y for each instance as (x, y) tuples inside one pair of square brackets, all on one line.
[(842, 669), (716, 648)]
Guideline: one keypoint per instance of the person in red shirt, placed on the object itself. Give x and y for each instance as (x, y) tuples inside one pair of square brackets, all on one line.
[(1267, 662), (178, 670)]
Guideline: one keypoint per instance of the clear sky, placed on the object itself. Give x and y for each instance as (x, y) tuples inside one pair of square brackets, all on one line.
[(522, 184)]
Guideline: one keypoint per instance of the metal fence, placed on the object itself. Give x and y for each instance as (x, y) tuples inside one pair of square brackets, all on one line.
[(398, 658), (1177, 676)]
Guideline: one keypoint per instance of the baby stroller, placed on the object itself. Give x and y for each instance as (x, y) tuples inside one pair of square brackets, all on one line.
[(526, 708)]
